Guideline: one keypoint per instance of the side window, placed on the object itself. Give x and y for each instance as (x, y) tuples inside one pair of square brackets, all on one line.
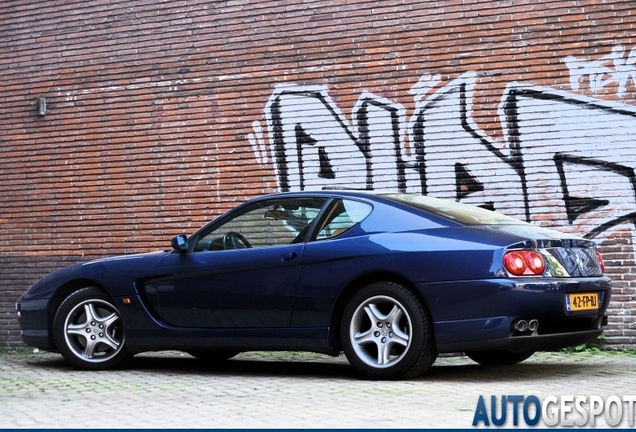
[(343, 216), (269, 223)]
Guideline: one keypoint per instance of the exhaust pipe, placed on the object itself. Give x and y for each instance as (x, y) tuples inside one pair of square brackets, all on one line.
[(520, 325), (533, 325)]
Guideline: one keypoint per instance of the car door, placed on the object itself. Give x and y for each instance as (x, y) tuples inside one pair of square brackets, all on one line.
[(331, 260), (241, 272)]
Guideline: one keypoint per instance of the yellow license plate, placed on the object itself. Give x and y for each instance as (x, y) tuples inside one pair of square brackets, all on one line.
[(582, 301)]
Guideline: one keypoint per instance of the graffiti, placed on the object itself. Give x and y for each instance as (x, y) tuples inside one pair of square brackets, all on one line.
[(565, 160), (590, 184), (616, 67), (455, 159), (258, 143)]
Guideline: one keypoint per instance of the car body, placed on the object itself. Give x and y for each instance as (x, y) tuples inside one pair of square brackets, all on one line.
[(391, 279)]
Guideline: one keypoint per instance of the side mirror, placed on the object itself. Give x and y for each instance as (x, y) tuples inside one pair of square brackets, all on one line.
[(180, 243)]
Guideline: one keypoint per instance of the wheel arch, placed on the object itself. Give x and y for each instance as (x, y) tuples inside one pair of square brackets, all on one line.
[(61, 294), (356, 285)]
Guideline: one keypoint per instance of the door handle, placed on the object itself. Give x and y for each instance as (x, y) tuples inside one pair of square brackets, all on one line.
[(290, 256)]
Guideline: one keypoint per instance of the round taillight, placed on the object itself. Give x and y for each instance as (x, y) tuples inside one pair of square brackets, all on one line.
[(535, 262), (524, 262), (514, 263), (601, 262)]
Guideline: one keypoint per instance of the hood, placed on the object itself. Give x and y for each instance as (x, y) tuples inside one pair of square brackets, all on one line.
[(117, 274), (125, 261)]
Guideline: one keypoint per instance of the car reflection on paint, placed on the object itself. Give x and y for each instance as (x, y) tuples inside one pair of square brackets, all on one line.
[(390, 279)]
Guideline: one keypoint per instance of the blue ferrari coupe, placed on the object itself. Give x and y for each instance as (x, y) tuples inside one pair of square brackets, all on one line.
[(390, 279)]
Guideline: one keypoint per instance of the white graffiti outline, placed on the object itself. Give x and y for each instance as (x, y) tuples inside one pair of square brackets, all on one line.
[(616, 67), (313, 146)]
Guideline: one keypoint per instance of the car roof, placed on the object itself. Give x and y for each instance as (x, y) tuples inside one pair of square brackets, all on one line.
[(463, 214), (336, 192)]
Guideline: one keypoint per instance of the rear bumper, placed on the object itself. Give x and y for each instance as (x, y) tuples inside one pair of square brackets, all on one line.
[(524, 343), (480, 315)]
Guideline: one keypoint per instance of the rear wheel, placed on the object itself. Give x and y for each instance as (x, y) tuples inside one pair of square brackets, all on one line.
[(214, 356), (498, 358), (386, 333), (89, 332)]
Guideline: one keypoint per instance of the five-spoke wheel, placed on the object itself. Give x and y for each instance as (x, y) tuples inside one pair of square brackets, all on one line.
[(386, 333), (89, 332)]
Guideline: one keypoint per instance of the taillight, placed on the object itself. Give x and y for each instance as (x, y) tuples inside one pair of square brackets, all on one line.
[(535, 262), (514, 263), (524, 262), (601, 263)]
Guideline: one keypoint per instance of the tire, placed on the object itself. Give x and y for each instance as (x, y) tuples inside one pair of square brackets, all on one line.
[(89, 332), (387, 334), (498, 358), (214, 356)]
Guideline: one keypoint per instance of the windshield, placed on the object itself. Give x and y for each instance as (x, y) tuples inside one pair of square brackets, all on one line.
[(461, 213)]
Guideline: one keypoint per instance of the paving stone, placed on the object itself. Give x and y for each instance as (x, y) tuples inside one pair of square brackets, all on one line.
[(285, 390)]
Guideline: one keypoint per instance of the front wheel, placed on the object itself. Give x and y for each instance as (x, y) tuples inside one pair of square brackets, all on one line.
[(498, 358), (89, 332), (386, 333)]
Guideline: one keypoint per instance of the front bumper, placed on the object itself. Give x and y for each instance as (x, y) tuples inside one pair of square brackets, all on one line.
[(34, 323)]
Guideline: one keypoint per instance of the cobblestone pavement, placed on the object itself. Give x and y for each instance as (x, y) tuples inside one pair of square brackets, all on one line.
[(288, 390)]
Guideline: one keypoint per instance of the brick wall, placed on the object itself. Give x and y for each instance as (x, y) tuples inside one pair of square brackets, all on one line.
[(17, 274), (163, 114)]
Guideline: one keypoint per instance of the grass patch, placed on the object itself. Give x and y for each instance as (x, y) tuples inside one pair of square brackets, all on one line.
[(599, 347), (16, 350)]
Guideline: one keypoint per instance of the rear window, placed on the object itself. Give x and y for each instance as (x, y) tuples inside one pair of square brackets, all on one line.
[(461, 213)]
